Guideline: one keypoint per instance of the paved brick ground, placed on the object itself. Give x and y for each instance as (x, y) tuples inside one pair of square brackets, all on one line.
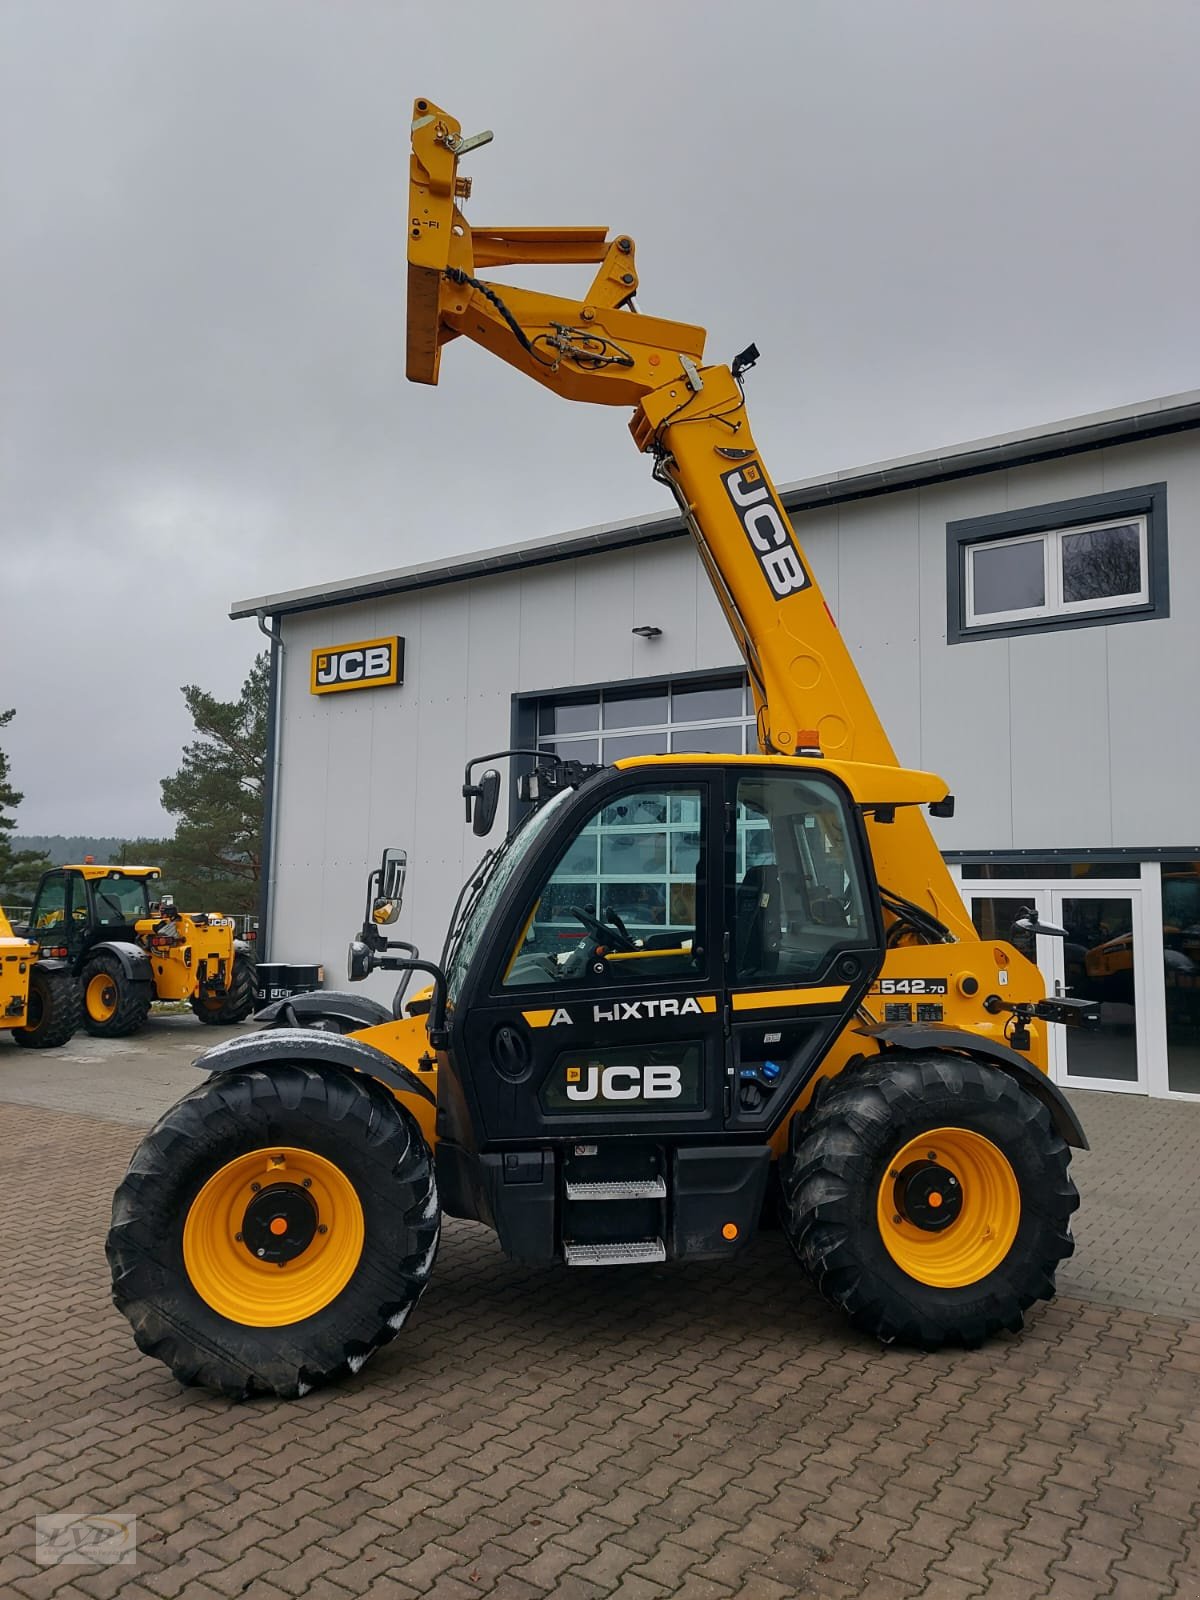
[(699, 1432), (130, 1080), (1137, 1230)]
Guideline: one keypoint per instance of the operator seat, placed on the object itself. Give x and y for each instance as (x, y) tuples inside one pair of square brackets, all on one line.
[(757, 928)]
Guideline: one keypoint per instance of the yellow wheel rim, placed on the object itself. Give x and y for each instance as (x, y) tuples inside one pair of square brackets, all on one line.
[(101, 998), (949, 1206), (248, 1267)]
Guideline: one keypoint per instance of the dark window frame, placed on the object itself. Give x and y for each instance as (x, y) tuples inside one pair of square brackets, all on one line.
[(1146, 500), (523, 730)]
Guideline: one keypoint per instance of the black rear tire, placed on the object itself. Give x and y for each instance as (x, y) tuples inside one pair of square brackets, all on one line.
[(129, 999), (54, 1009), (841, 1154), (238, 1000), (344, 1117)]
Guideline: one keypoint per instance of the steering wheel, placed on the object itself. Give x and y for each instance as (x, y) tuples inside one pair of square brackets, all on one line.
[(616, 937)]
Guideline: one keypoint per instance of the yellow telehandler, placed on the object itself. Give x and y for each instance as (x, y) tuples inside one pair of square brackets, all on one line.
[(807, 1022), (126, 950), (39, 998)]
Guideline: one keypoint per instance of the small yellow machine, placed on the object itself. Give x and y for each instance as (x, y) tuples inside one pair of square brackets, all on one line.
[(126, 950), (39, 998), (804, 1023)]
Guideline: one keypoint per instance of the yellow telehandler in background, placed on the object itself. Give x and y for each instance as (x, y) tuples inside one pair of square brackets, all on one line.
[(125, 950), (39, 998)]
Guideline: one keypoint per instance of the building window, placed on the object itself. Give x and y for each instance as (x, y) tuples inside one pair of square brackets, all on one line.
[(1077, 563), (698, 716), (992, 869), (641, 863)]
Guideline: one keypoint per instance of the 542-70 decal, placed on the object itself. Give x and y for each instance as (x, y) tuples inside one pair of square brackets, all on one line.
[(910, 986)]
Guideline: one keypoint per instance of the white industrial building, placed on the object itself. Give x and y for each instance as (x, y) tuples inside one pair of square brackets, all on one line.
[(1025, 611)]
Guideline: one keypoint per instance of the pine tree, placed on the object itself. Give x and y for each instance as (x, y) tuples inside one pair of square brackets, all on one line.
[(217, 798), (19, 869)]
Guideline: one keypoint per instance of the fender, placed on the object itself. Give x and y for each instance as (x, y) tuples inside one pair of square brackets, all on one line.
[(135, 963), (243, 947), (325, 1052), (50, 964), (348, 1012), (941, 1036)]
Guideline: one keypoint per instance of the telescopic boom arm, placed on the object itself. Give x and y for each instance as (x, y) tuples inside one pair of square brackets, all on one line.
[(692, 420)]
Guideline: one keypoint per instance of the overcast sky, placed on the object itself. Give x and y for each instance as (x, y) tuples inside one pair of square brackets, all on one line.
[(937, 220)]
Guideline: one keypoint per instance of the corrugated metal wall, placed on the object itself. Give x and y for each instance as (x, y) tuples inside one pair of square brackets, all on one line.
[(1080, 738)]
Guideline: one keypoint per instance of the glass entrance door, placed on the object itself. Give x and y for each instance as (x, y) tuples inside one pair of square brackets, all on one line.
[(1098, 960)]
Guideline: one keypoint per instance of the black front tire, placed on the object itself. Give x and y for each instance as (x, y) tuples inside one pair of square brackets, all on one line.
[(54, 1009), (238, 1000), (842, 1151), (131, 999), (346, 1118)]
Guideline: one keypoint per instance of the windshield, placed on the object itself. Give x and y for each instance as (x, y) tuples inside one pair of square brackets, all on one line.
[(464, 941), (120, 900)]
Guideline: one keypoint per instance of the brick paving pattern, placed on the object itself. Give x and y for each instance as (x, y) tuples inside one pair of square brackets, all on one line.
[(1138, 1227), (690, 1431)]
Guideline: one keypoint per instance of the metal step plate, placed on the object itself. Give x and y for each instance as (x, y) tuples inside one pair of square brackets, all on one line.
[(620, 1253), (618, 1189)]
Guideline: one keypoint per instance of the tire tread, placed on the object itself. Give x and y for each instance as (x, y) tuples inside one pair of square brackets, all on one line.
[(835, 1154)]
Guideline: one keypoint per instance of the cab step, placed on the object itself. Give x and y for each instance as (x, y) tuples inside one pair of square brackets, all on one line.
[(617, 1189), (618, 1253)]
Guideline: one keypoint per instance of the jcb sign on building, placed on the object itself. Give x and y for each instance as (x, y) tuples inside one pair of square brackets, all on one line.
[(368, 664)]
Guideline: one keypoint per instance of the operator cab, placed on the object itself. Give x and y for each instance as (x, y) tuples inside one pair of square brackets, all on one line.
[(656, 958), (78, 906), (663, 889), (638, 983)]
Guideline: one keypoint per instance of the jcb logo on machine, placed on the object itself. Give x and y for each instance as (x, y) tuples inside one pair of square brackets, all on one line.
[(658, 1082), (766, 527), (368, 664)]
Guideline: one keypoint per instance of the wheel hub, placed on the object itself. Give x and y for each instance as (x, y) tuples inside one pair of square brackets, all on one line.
[(948, 1207), (928, 1195), (279, 1223), (101, 998)]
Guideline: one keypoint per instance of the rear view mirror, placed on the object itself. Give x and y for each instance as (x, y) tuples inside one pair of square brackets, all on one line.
[(392, 869), (487, 794)]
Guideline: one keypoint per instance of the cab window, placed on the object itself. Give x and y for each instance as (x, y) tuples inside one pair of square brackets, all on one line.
[(120, 900), (50, 910), (798, 897), (633, 883)]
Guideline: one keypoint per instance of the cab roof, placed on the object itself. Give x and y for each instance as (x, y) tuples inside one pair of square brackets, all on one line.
[(90, 869), (869, 784)]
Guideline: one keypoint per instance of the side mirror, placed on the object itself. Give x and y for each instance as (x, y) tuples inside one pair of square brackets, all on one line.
[(393, 868), (1028, 922), (487, 794)]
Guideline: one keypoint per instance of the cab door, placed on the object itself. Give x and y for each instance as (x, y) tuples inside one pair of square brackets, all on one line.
[(805, 937), (50, 918), (602, 1012)]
